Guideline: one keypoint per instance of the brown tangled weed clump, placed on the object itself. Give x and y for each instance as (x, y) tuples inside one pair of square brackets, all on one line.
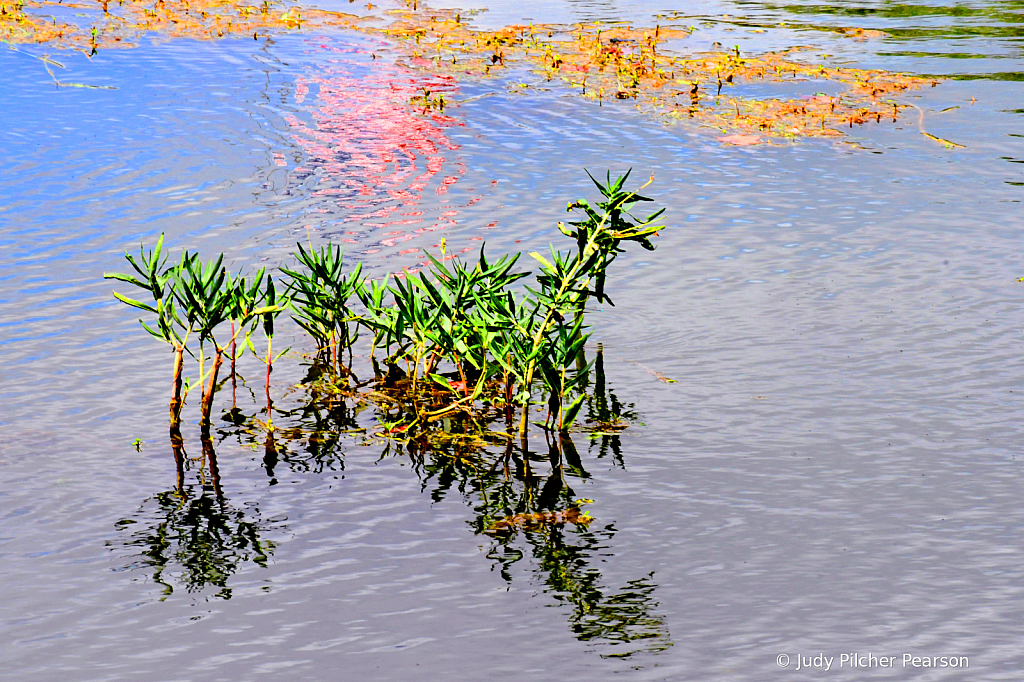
[(742, 96)]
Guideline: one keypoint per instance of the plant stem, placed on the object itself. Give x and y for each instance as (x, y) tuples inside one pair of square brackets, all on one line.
[(270, 362), (562, 426), (202, 384), (234, 354), (208, 396), (523, 445), (509, 414), (569, 278), (176, 399)]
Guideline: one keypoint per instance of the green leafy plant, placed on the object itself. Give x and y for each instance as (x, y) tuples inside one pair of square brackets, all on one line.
[(459, 340), (320, 293), (161, 282), (206, 303), (272, 307), (568, 280), (190, 301), (456, 333), (244, 302), (601, 234)]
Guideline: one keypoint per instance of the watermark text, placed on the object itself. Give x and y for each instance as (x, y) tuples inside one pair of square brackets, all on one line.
[(828, 662)]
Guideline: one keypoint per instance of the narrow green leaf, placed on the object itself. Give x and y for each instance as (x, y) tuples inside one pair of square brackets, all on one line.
[(135, 304)]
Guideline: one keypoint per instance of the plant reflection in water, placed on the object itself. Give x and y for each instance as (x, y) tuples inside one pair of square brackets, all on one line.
[(191, 536), (523, 501)]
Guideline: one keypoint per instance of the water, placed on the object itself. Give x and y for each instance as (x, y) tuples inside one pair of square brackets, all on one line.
[(834, 469)]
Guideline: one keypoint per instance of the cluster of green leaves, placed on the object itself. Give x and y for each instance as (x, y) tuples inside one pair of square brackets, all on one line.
[(453, 314), (156, 278), (190, 301), (455, 338), (467, 329), (320, 293)]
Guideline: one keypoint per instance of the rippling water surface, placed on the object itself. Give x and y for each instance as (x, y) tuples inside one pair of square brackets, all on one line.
[(833, 470)]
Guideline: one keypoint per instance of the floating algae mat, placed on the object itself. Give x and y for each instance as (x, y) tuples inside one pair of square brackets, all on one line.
[(123, 24), (599, 61), (619, 62)]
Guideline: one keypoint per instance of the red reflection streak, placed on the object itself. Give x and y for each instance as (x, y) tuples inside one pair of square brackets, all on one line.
[(376, 153)]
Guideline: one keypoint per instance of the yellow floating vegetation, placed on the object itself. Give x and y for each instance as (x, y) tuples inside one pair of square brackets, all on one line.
[(724, 89), (537, 520), (619, 62), (18, 27), (121, 23)]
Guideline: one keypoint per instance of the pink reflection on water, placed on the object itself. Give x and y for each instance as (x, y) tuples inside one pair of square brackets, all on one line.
[(377, 156)]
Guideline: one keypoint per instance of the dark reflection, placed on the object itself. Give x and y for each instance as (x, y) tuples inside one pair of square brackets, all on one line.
[(941, 21), (922, 30), (624, 618), (1010, 76), (190, 537), (524, 500), (306, 438), (607, 415), (1001, 12), (597, 10)]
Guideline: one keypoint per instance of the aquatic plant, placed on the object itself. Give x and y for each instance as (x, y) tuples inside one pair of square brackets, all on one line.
[(206, 303), (568, 281), (190, 301), (320, 293), (605, 62), (272, 307), (459, 340), (127, 22), (245, 299), (444, 320), (161, 282)]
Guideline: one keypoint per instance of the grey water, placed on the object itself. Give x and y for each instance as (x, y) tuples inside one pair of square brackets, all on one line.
[(832, 468)]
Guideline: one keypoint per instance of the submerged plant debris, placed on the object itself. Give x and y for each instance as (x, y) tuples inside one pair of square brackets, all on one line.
[(731, 92)]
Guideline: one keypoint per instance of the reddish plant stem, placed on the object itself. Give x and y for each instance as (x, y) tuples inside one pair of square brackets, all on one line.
[(270, 368), (176, 400), (234, 354), (208, 396)]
